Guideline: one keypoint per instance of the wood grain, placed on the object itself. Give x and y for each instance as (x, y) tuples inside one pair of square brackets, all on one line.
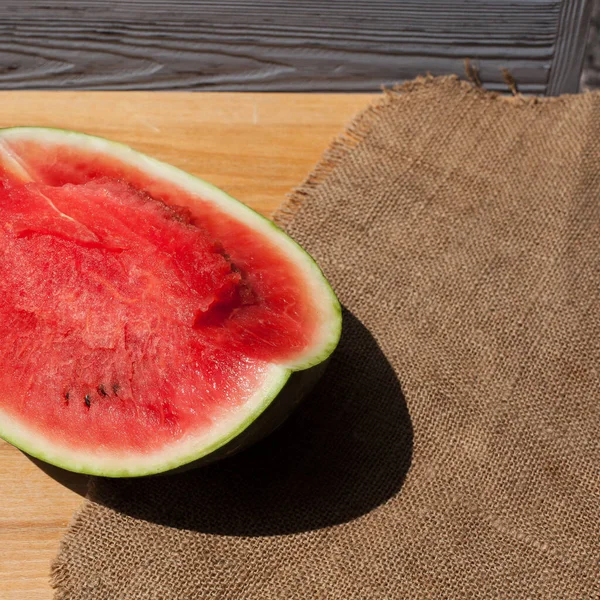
[(308, 45), (256, 146), (570, 49)]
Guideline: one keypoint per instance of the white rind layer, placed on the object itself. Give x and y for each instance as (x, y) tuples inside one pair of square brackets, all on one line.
[(184, 451), (228, 427)]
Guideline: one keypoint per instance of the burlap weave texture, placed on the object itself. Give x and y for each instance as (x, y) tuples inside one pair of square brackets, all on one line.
[(453, 448)]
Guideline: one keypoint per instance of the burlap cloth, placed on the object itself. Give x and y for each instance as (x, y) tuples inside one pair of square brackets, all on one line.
[(452, 450)]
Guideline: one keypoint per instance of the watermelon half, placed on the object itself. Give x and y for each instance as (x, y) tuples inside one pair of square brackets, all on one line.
[(147, 319)]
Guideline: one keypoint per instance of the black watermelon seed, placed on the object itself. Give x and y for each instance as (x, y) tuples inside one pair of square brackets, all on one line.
[(88, 400), (115, 388), (102, 391), (67, 395)]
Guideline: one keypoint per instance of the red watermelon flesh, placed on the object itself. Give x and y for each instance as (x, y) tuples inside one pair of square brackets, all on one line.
[(133, 314)]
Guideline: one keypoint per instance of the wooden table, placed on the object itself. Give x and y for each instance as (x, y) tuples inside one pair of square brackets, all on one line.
[(268, 45), (255, 146)]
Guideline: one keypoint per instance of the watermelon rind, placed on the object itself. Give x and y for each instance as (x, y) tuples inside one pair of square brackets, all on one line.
[(286, 384)]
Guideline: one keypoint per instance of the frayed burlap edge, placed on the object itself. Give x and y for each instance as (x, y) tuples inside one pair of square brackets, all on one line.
[(356, 131), (59, 569)]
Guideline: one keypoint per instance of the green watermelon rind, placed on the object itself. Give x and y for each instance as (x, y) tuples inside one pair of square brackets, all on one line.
[(181, 460), (283, 384)]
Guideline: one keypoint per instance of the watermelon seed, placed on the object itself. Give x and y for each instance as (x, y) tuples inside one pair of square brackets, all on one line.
[(115, 388), (88, 400), (67, 397), (102, 391)]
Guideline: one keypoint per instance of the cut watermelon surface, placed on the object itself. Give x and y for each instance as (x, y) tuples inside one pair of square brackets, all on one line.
[(147, 319)]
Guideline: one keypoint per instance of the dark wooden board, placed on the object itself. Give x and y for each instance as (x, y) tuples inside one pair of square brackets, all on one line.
[(590, 78), (278, 45), (571, 41)]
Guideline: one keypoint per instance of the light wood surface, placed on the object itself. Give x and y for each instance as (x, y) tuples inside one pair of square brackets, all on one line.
[(255, 146), (277, 45)]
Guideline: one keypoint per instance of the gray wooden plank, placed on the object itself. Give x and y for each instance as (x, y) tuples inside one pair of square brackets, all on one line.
[(571, 39), (590, 77), (308, 45)]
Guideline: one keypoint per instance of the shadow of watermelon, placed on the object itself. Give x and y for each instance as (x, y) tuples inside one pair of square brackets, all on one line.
[(345, 451)]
